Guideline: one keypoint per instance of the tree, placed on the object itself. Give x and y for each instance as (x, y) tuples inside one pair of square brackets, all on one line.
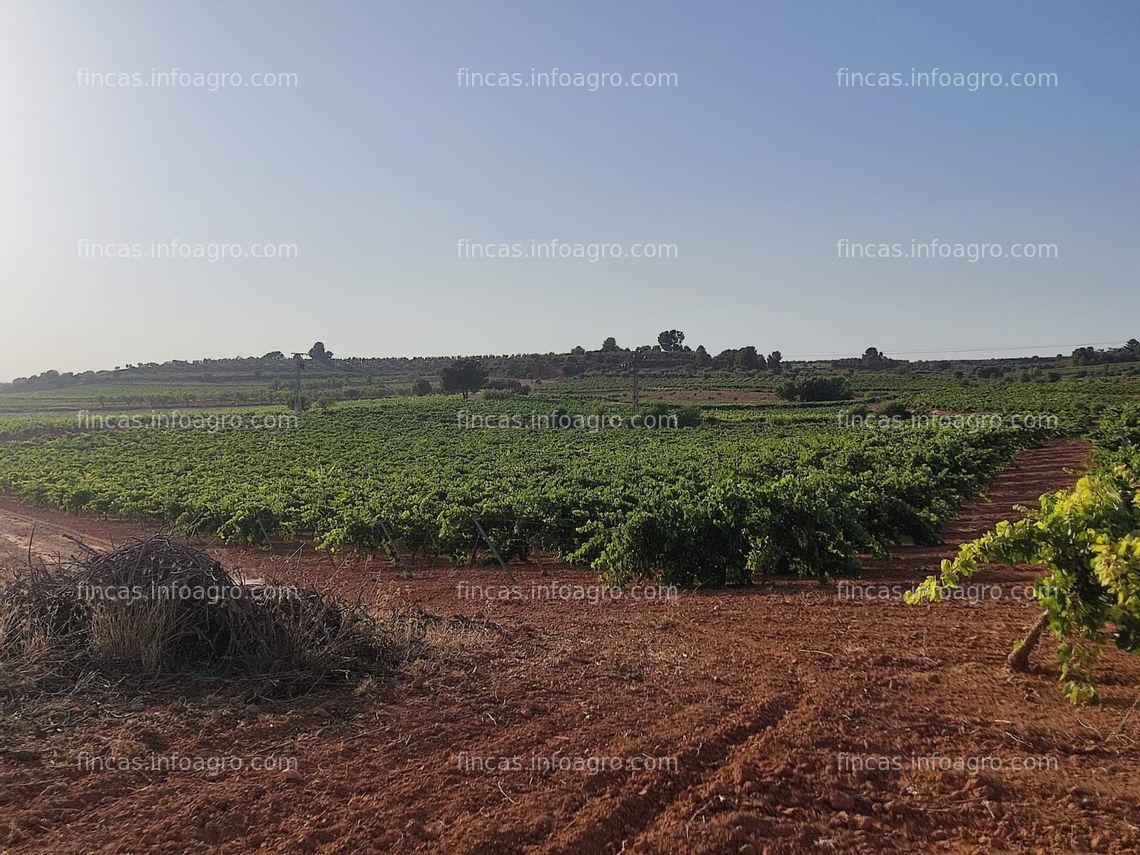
[(671, 341), (774, 360), (579, 350), (318, 353), (464, 376), (609, 345), (702, 357), (725, 359), (1084, 356), (274, 354), (421, 387), (872, 358), (747, 357), (1129, 352)]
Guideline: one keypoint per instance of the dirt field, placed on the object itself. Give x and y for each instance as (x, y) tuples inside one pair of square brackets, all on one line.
[(790, 718), (717, 396)]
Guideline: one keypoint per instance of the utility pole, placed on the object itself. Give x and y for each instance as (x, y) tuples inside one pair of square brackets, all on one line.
[(634, 365), (298, 366), (636, 362)]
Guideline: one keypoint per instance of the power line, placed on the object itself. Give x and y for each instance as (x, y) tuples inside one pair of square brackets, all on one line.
[(888, 352)]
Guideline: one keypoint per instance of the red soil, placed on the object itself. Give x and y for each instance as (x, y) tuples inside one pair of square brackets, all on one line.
[(768, 700)]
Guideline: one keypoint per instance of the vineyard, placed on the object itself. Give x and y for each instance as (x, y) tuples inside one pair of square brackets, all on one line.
[(745, 491), (770, 703)]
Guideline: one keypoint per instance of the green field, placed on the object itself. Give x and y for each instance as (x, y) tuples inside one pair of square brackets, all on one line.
[(769, 488)]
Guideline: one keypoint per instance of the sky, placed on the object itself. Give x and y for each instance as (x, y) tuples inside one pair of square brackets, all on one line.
[(379, 166)]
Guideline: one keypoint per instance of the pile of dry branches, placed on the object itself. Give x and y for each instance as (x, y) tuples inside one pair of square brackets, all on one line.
[(158, 606)]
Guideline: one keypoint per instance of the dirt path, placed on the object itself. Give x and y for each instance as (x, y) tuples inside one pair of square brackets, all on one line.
[(28, 531), (791, 718)]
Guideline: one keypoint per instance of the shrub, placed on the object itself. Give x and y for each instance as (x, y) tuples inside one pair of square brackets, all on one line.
[(688, 417), (816, 389), (893, 410)]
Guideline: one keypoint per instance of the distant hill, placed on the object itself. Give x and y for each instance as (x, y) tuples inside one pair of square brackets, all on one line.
[(270, 379)]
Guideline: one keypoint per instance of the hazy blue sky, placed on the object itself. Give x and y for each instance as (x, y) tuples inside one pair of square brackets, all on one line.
[(377, 163)]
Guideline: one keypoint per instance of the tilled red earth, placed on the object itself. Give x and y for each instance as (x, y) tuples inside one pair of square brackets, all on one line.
[(790, 718)]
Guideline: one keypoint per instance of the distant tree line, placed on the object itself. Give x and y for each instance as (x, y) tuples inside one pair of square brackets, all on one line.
[(372, 377), (1130, 352)]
